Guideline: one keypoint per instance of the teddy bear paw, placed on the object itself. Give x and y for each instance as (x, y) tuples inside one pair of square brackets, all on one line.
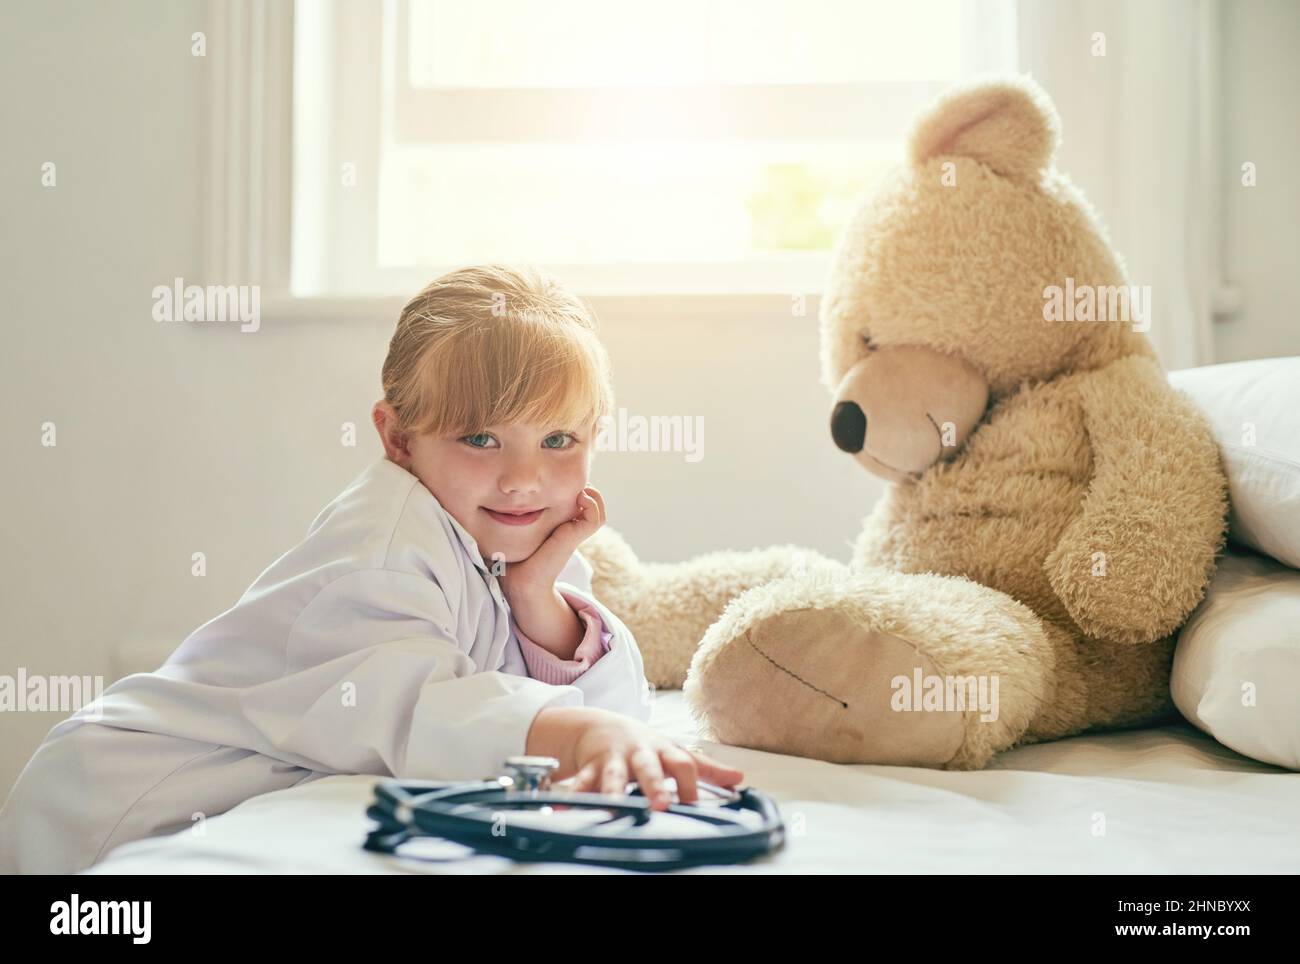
[(832, 689)]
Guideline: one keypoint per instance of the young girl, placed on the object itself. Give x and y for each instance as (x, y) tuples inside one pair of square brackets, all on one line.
[(437, 619)]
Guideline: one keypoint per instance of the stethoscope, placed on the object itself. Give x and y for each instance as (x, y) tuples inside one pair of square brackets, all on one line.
[(517, 815)]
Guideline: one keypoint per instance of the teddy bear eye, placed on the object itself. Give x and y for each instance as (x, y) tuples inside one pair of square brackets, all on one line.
[(868, 341)]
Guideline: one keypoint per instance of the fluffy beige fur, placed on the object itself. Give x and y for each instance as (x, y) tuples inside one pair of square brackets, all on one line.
[(1056, 549)]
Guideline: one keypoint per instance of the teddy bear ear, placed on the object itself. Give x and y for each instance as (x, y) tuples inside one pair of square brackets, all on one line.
[(1008, 124)]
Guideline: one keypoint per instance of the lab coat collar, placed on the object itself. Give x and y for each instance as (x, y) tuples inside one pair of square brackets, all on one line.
[(466, 540)]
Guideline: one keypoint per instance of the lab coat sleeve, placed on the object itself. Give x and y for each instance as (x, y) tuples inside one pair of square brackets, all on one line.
[(374, 682), (617, 680)]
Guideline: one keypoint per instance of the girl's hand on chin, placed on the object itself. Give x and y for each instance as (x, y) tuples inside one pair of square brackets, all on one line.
[(537, 573)]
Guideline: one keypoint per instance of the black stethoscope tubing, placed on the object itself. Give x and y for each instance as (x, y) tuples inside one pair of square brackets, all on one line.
[(455, 811)]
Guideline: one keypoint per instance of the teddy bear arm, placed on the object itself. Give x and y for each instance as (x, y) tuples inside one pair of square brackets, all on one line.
[(1137, 559)]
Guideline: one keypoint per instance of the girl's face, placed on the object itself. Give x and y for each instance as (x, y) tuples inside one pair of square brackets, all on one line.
[(479, 478)]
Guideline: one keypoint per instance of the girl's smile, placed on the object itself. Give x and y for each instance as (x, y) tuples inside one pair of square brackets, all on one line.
[(515, 518)]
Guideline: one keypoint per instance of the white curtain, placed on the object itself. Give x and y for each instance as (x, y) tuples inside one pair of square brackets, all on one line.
[(1136, 86)]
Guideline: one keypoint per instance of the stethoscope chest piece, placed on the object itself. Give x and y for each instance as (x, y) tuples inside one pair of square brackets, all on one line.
[(530, 774), (519, 815)]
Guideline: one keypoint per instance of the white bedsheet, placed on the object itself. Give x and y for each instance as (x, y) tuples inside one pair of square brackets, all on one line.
[(1161, 800)]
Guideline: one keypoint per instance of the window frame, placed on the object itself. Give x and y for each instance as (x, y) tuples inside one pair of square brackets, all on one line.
[(250, 190)]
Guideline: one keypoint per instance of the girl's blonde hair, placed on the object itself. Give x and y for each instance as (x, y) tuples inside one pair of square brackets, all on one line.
[(496, 345)]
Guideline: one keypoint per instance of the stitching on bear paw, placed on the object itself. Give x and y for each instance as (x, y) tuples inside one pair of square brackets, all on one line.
[(793, 674)]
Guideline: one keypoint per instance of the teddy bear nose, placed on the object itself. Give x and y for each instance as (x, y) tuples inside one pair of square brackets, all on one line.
[(849, 426)]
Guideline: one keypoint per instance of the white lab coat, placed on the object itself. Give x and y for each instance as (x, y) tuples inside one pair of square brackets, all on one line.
[(380, 644)]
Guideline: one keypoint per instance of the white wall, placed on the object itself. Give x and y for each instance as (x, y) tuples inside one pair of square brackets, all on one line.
[(175, 439), (1261, 73)]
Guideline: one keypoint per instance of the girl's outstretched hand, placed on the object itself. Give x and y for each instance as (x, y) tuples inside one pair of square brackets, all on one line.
[(600, 751)]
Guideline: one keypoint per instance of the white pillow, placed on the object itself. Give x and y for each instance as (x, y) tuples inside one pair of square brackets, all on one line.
[(1236, 672), (1254, 409)]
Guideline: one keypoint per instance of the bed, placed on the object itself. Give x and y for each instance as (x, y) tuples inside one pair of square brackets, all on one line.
[(1162, 800)]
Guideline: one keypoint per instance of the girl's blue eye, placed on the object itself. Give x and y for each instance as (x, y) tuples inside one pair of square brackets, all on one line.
[(561, 436), (467, 439)]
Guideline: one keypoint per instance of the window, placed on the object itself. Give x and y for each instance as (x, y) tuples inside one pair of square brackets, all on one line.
[(689, 146)]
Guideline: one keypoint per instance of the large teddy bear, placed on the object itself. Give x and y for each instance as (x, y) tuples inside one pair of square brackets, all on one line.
[(1055, 507)]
